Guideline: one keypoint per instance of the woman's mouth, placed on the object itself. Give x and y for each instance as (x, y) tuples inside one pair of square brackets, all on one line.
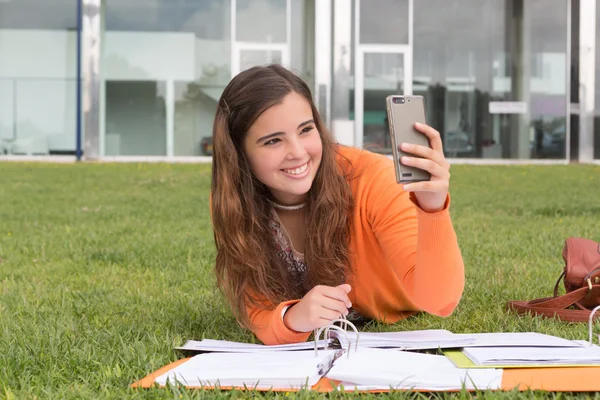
[(298, 171)]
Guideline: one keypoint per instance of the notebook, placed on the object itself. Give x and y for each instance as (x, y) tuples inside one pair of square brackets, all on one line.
[(260, 370)]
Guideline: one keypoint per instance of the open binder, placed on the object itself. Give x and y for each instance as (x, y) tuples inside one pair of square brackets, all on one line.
[(346, 365)]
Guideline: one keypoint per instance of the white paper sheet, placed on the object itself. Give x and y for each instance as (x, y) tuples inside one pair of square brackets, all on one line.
[(213, 345), (385, 369), (407, 340), (533, 355), (281, 369), (515, 339)]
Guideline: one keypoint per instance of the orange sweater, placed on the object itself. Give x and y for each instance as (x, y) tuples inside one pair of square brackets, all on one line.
[(405, 259)]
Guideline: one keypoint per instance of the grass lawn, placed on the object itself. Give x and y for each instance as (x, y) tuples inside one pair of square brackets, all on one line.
[(105, 268)]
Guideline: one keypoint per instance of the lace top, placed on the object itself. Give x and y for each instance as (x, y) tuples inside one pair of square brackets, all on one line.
[(294, 261)]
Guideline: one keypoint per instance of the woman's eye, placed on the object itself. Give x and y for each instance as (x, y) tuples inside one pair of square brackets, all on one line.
[(272, 142), (308, 129)]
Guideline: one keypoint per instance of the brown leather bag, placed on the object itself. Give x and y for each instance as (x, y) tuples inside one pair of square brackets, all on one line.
[(581, 277)]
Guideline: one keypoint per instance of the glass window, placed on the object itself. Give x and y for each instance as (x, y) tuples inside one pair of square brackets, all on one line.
[(384, 75), (493, 75), (548, 59), (597, 99), (384, 21), (272, 27), (38, 77), (166, 64)]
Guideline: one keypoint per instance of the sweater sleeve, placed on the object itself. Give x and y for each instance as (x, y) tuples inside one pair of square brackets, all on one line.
[(421, 247), (268, 326)]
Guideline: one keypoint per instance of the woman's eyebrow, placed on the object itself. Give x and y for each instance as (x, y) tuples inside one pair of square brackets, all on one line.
[(274, 134), (310, 121), (269, 136)]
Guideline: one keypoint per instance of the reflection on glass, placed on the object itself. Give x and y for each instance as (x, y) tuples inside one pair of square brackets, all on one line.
[(548, 59), (384, 21), (195, 106), (250, 58), (468, 53), (37, 77), (175, 57), (8, 129), (135, 118), (597, 100), (384, 75), (158, 48), (262, 21)]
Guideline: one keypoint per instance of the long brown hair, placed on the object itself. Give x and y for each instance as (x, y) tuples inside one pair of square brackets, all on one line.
[(247, 267)]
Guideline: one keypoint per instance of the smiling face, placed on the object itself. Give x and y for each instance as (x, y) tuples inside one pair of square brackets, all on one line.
[(284, 149)]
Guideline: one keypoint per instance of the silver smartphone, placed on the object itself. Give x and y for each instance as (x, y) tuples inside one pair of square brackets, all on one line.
[(403, 112)]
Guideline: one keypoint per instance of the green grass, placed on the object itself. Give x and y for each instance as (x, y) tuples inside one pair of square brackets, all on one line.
[(104, 268)]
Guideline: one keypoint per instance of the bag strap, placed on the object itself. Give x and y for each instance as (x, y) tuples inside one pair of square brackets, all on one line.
[(556, 307)]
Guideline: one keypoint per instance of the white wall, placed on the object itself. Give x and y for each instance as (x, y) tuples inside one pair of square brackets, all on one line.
[(156, 56), (44, 54), (149, 56)]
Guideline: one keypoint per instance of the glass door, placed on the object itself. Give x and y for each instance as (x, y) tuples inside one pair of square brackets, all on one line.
[(380, 71), (261, 32), (246, 55), (382, 66)]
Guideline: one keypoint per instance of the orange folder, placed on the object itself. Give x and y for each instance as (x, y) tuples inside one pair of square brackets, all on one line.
[(559, 379)]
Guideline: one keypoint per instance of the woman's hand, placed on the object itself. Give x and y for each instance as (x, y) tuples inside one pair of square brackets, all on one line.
[(431, 195), (321, 305)]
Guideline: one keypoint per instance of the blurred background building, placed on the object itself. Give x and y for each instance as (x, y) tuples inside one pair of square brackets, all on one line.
[(502, 79)]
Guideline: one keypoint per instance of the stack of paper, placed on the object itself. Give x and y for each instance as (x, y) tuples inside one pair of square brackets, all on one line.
[(261, 370), (212, 345), (515, 339), (370, 368), (409, 340), (533, 355)]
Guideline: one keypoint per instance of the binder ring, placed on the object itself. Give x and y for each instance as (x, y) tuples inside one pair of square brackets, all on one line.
[(331, 325), (591, 324)]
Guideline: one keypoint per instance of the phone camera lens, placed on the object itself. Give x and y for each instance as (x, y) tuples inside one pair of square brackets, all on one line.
[(399, 100)]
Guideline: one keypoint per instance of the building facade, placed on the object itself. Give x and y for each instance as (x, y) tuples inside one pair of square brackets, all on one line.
[(123, 79)]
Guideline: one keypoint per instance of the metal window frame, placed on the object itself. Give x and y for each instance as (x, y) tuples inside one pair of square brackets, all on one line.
[(91, 34), (587, 76), (238, 46), (359, 58)]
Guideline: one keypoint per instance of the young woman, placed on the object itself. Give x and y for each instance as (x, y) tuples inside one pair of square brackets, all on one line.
[(307, 230)]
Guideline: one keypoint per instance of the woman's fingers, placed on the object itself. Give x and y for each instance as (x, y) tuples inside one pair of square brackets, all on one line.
[(330, 316), (427, 186), (435, 140), (425, 152), (337, 293), (435, 169), (329, 304)]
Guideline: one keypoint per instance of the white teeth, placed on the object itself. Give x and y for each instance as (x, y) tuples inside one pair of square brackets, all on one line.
[(297, 171)]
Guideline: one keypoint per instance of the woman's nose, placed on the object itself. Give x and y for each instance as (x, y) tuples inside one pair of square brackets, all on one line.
[(296, 148)]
